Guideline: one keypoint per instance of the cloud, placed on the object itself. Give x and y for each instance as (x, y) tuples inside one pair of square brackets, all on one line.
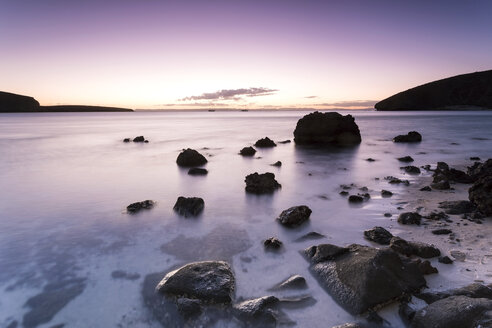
[(350, 103), (311, 97), (232, 94)]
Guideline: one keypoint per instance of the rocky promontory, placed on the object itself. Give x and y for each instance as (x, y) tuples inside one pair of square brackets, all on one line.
[(467, 91)]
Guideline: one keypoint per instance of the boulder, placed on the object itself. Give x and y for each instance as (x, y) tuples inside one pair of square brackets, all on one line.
[(138, 206), (386, 193), (361, 278), (208, 281), (139, 139), (409, 248), (272, 243), (410, 169), (405, 159), (197, 171), (190, 157), (294, 216), (261, 183), (410, 218), (247, 151), (455, 312), (412, 136), (378, 235), (457, 207), (474, 290), (293, 282), (126, 140), (277, 164), (327, 128), (481, 194), (258, 311), (189, 206), (265, 143), (479, 170), (355, 199)]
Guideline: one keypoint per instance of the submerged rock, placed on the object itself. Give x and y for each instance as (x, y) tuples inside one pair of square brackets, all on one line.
[(327, 128), (261, 183), (409, 248), (410, 169), (294, 216), (378, 235), (445, 260), (410, 218), (474, 290), (386, 193), (313, 235), (394, 180), (190, 157), (361, 278), (197, 171), (425, 267), (480, 194), (293, 282), (457, 207), (208, 281), (247, 151), (355, 199), (189, 206), (426, 188), (441, 185), (405, 159), (412, 136), (265, 143), (284, 141), (138, 206)]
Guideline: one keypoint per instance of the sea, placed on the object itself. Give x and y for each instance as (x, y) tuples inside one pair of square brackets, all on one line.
[(71, 256)]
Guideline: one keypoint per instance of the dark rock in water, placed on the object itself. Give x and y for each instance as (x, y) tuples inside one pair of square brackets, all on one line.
[(294, 216), (293, 282), (209, 281), (378, 235), (361, 278), (388, 215), (426, 188), (272, 243), (425, 267), (409, 248), (324, 252), (480, 194), (386, 193), (411, 169), (474, 158), (277, 164), (188, 307), (441, 231), (479, 170), (406, 159), (190, 157), (11, 102), (410, 218), (441, 185), (455, 312), (370, 159), (258, 311), (355, 199), (344, 193), (445, 260), (189, 206), (120, 274), (139, 139), (444, 173), (265, 143), (284, 141), (327, 128), (247, 151), (466, 91), (197, 171), (412, 136), (474, 290), (53, 298), (457, 207), (313, 235), (394, 180), (261, 183), (126, 140), (138, 206)]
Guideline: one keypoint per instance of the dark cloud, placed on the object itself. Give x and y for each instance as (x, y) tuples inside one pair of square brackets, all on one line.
[(350, 103), (232, 94)]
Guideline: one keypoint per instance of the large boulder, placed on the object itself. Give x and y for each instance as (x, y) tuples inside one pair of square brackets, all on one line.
[(409, 248), (190, 157), (480, 170), (265, 143), (294, 216), (481, 194), (378, 235), (10, 102), (189, 206), (361, 278), (327, 128), (261, 183), (412, 136), (211, 282)]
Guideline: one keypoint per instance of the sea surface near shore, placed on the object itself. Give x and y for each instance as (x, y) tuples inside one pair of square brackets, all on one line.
[(66, 180)]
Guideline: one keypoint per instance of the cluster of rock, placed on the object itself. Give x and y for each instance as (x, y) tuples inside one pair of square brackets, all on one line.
[(136, 139)]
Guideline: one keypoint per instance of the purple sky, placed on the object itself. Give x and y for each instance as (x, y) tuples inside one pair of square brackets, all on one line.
[(252, 54)]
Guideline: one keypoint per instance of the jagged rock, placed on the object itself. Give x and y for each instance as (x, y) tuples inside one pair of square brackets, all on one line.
[(360, 278), (410, 218), (247, 151), (412, 136), (261, 183), (457, 207), (444, 173), (386, 193), (265, 143), (405, 159), (327, 128), (208, 281), (138, 206), (409, 248), (445, 260), (258, 311), (189, 206), (272, 243), (378, 235), (294, 216), (197, 171), (455, 312), (479, 170), (190, 157), (410, 169), (480, 194), (425, 267), (293, 282)]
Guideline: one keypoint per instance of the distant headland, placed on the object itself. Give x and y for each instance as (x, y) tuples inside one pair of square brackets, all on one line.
[(471, 91), (13, 103)]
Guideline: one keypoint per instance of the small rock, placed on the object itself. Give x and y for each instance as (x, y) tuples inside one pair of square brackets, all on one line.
[(394, 180), (378, 235), (370, 159), (272, 243), (293, 282), (412, 136), (247, 151), (189, 206), (197, 171), (441, 232), (426, 268), (458, 255), (426, 188), (139, 139), (294, 216), (190, 157), (258, 311), (138, 206), (405, 159), (355, 199), (474, 158), (410, 218), (445, 260), (285, 141), (126, 140), (344, 193), (386, 193), (409, 248), (441, 185), (277, 164), (265, 143), (410, 169), (388, 215), (261, 183)]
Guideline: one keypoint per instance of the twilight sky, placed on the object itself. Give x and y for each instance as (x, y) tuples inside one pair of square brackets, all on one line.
[(243, 54)]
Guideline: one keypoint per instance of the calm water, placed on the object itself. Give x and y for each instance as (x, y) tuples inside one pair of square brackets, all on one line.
[(65, 180)]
